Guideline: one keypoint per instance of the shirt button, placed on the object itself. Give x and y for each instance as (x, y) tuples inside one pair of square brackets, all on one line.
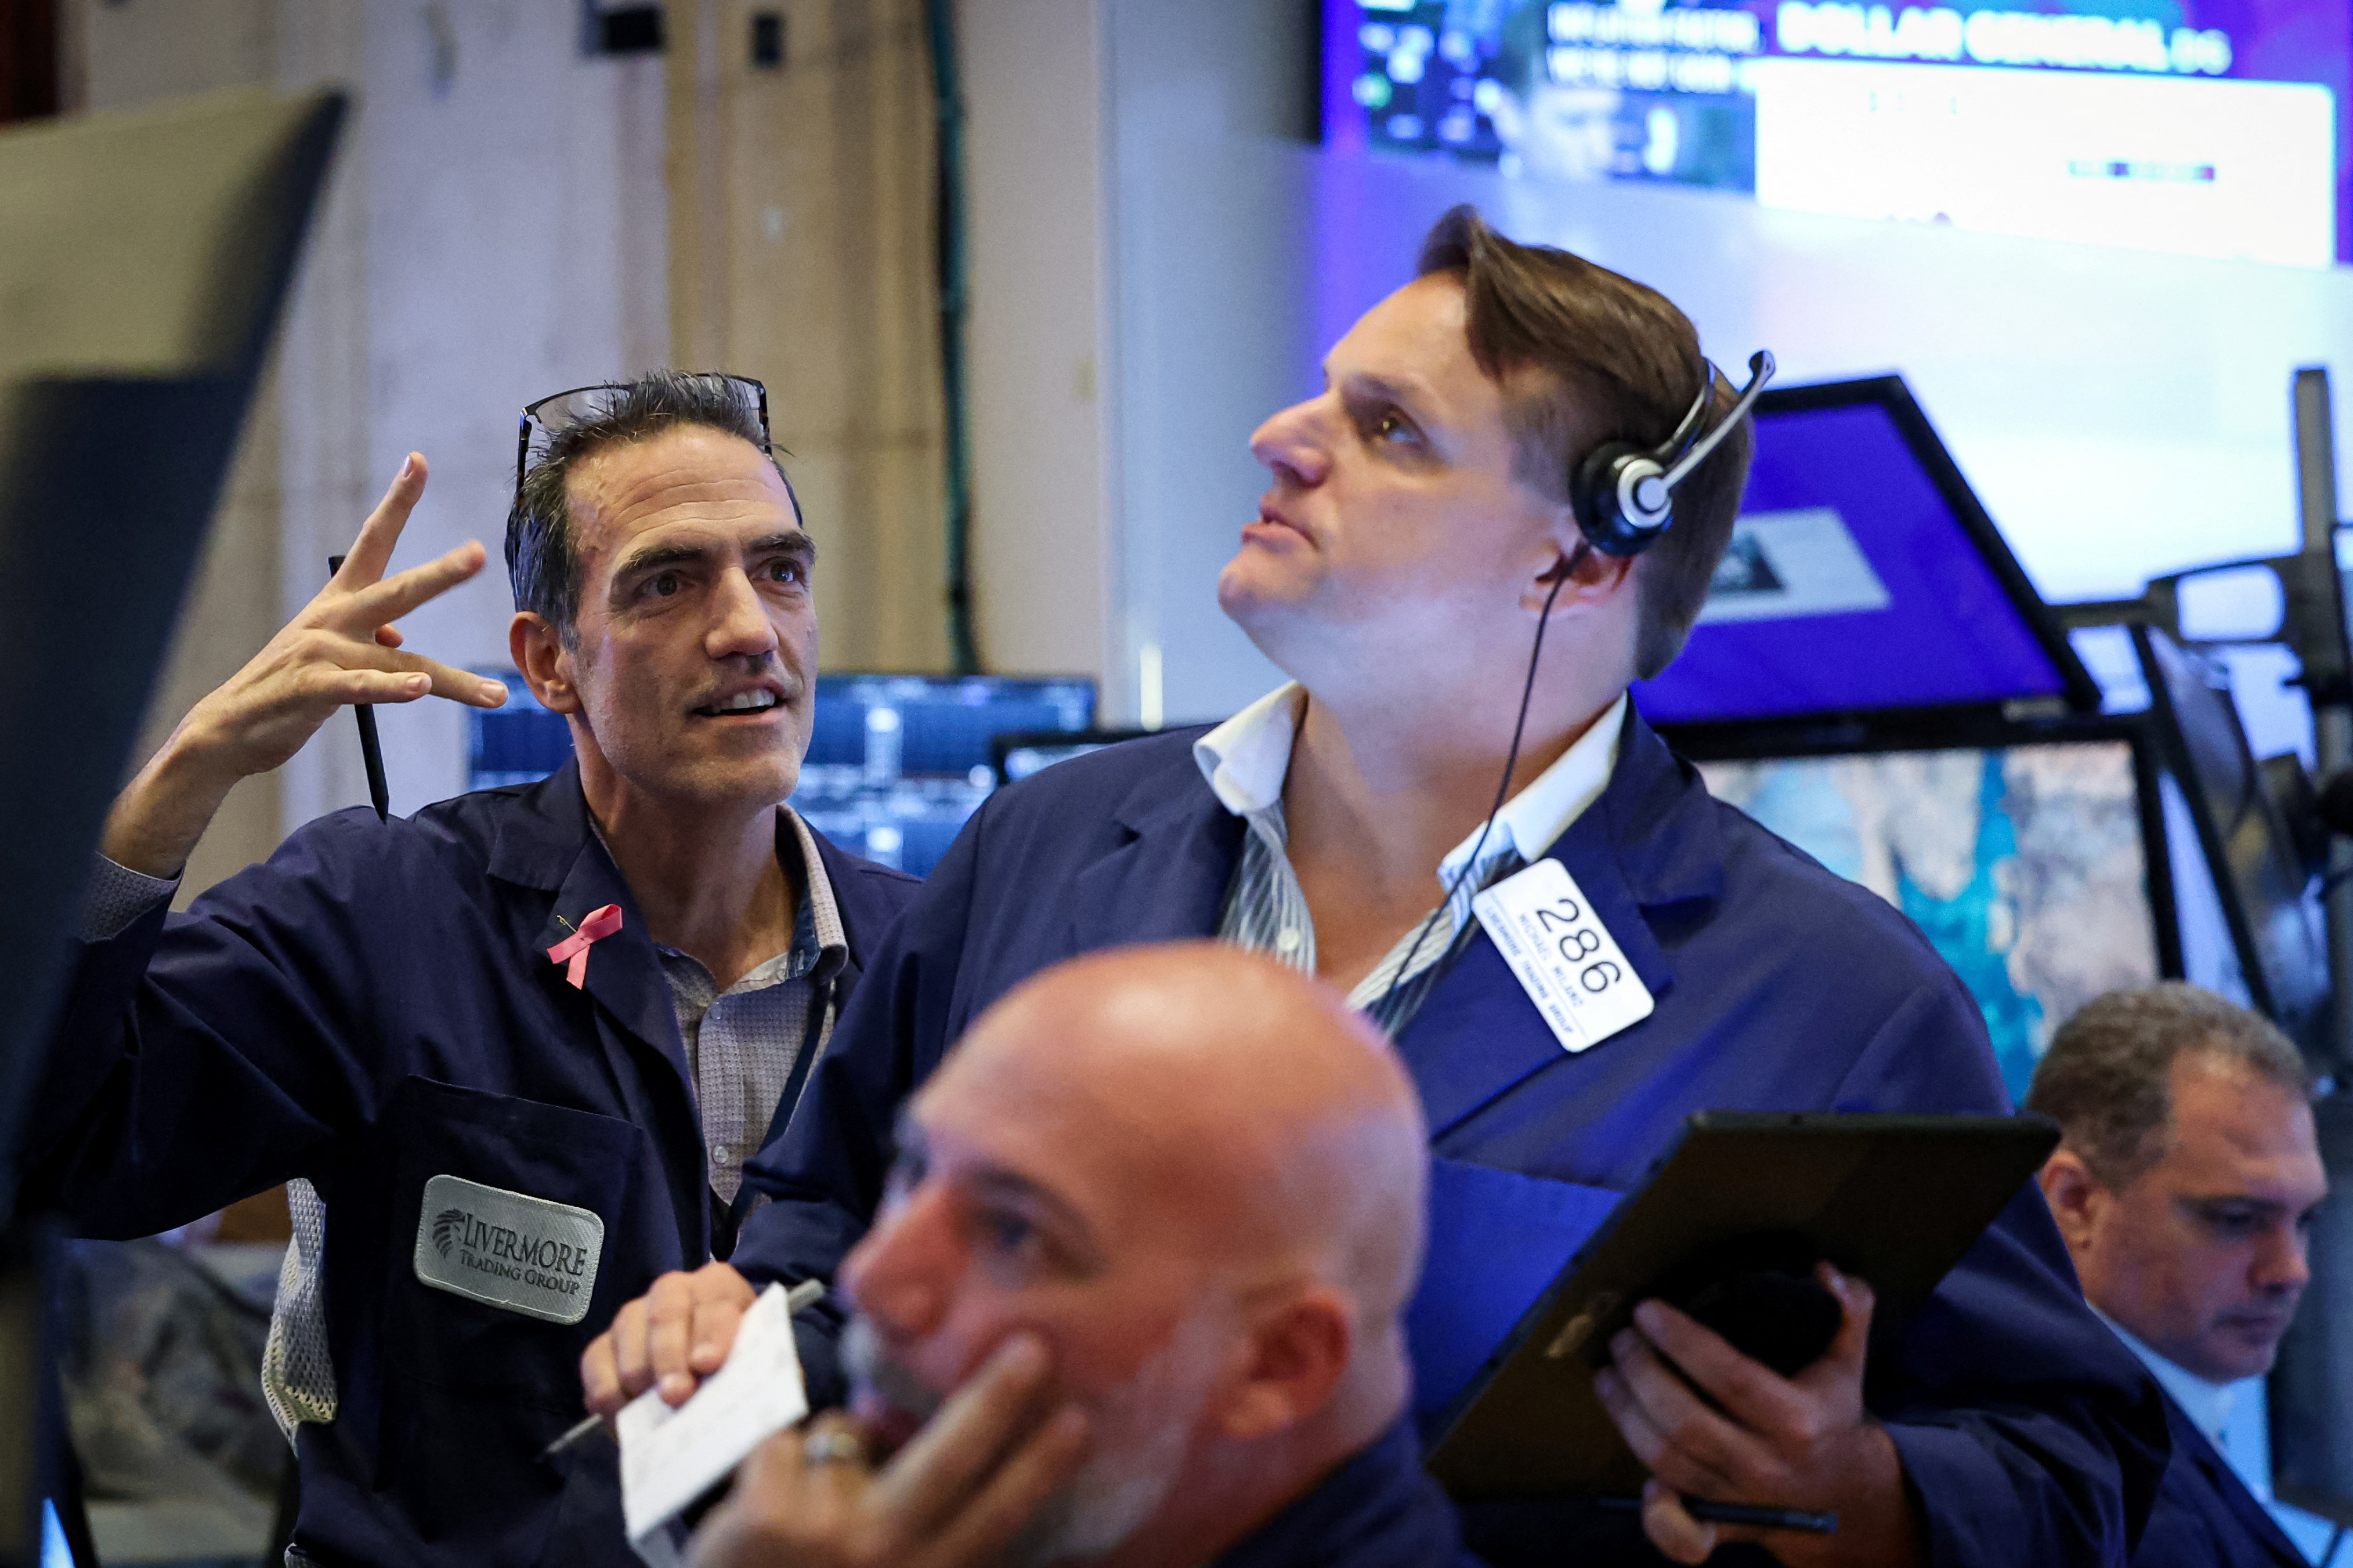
[(1287, 940), (719, 1155)]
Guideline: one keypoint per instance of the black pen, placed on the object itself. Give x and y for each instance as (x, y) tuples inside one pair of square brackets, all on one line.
[(1707, 1512), (371, 749)]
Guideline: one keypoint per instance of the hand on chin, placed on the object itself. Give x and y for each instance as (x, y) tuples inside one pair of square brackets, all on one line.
[(888, 1428)]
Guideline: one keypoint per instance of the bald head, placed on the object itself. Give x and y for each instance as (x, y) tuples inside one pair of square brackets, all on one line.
[(1197, 1178), (1245, 1106)]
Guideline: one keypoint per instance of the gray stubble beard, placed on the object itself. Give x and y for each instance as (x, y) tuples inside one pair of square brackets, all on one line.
[(1141, 1431)]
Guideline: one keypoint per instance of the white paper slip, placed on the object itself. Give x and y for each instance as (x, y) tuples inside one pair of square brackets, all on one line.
[(1564, 958), (669, 1458)]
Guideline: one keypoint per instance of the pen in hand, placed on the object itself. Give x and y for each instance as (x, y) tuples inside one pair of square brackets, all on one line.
[(370, 748), (806, 1294)]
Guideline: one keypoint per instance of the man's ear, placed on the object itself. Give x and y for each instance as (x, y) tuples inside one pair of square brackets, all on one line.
[(1594, 576), (1296, 1356), (544, 663), (2078, 1198)]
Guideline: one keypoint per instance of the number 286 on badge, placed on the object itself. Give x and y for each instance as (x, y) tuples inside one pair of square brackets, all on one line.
[(1564, 957)]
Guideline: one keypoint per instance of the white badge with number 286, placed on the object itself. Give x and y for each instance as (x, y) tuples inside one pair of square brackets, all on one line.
[(1570, 966)]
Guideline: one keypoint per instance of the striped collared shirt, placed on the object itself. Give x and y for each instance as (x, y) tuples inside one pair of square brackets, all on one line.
[(1246, 760)]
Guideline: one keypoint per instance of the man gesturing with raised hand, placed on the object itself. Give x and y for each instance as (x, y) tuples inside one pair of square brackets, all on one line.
[(341, 650), (508, 1054)]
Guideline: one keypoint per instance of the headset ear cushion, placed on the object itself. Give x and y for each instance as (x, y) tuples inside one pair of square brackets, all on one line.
[(1593, 496)]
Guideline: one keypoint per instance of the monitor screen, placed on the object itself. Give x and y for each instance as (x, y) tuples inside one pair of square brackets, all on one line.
[(895, 763), (1019, 754), (2027, 866), (2196, 127), (898, 762), (1861, 576), (2275, 925)]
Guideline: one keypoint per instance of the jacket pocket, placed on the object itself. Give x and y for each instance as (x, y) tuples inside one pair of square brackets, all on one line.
[(503, 1221)]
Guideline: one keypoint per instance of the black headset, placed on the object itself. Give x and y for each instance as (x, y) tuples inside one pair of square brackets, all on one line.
[(1624, 494), (1624, 498)]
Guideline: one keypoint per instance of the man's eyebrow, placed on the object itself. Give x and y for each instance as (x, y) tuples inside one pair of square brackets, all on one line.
[(655, 555), (1406, 394), (2235, 1200), (1002, 1182), (999, 1180), (791, 541)]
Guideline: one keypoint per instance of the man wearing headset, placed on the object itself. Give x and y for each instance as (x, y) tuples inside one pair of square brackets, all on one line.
[(1454, 564)]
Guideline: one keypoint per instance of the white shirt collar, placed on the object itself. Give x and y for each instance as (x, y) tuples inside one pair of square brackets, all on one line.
[(1246, 759), (2208, 1404)]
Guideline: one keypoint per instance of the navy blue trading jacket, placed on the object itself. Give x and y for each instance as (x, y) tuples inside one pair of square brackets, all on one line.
[(372, 1008), (1377, 1509), (2030, 1435), (2205, 1516)]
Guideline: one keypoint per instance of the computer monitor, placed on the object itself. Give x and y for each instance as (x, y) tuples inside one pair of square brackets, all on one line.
[(520, 743), (1863, 576), (899, 762), (895, 763), (143, 261), (2275, 926), (2033, 858), (1021, 753)]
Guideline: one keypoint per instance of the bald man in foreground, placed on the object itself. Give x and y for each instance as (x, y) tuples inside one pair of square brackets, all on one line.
[(1133, 1298)]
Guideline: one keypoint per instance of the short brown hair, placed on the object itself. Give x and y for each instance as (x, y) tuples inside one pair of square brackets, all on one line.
[(2107, 1077), (542, 556), (1585, 356)]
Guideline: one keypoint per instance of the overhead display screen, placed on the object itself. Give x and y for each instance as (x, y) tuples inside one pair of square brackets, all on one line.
[(2197, 127), (1859, 579)]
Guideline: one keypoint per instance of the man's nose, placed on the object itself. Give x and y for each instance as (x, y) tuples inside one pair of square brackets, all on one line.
[(2283, 1261), (1295, 442), (740, 626), (902, 1274)]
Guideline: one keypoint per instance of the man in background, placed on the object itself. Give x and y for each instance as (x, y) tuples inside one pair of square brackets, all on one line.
[(1164, 1205), (2184, 1184)]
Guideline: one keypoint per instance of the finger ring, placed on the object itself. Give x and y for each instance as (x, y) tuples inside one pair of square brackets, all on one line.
[(833, 1447)]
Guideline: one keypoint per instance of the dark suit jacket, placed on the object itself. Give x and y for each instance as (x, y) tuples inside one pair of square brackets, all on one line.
[(2029, 1432), (2205, 1516), (373, 1007)]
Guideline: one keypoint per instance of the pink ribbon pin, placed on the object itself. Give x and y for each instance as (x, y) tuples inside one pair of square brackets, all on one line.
[(573, 951)]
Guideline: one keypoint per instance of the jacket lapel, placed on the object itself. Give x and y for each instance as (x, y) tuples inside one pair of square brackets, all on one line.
[(1648, 841), (2190, 1445), (552, 848), (1167, 881), (625, 975)]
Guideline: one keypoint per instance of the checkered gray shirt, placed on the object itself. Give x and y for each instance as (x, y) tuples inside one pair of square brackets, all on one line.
[(741, 1043)]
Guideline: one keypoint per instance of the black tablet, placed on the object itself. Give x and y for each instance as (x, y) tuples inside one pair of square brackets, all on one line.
[(1728, 1224)]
